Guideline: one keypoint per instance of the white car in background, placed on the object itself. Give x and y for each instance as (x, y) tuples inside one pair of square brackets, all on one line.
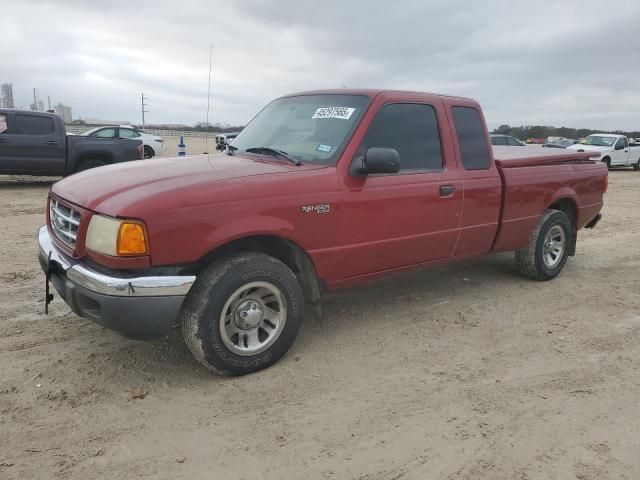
[(153, 145), (614, 150)]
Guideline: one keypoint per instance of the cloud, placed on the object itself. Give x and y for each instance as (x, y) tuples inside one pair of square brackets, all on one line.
[(572, 63)]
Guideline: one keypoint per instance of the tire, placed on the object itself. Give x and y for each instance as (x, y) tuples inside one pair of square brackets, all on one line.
[(88, 164), (636, 166), (537, 260), (607, 161), (224, 319), (148, 152)]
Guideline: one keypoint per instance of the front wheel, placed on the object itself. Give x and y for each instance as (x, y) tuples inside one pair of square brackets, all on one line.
[(545, 254), (148, 152), (242, 313)]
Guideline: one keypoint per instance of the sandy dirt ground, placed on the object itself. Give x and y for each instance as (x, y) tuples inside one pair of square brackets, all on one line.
[(193, 145), (462, 372)]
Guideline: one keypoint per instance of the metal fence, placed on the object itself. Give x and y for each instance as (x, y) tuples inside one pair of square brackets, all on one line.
[(78, 129)]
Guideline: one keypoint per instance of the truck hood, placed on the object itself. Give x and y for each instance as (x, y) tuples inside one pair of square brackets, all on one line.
[(110, 189), (588, 148)]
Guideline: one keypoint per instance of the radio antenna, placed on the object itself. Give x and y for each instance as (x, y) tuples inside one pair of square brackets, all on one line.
[(206, 133)]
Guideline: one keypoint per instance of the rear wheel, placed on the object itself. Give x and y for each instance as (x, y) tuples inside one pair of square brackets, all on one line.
[(544, 256), (242, 313), (91, 163), (636, 166)]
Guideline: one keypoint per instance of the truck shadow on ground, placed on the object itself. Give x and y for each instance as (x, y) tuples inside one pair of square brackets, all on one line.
[(377, 306)]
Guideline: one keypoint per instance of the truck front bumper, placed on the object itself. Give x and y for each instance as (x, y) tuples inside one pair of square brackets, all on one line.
[(135, 307)]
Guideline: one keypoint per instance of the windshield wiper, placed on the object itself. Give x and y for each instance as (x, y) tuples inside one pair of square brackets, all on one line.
[(274, 153)]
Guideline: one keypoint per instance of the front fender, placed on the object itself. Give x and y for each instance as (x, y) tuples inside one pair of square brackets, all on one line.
[(248, 227)]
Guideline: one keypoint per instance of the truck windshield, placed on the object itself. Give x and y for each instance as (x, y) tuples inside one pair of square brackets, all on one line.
[(600, 141), (309, 128)]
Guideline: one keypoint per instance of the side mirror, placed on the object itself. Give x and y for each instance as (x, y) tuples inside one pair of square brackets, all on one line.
[(376, 160)]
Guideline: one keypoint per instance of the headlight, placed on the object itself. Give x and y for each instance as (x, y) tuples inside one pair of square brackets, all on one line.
[(116, 238)]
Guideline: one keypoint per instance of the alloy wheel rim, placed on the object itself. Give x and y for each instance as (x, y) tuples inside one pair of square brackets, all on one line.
[(554, 246), (253, 318)]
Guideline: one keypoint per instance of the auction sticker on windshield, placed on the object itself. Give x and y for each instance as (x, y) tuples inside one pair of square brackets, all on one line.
[(343, 113)]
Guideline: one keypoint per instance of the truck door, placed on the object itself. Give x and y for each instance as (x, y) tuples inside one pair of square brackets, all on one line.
[(620, 154), (482, 183), (410, 217), (32, 145)]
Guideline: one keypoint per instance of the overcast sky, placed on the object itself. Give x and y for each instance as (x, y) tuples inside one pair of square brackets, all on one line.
[(563, 63)]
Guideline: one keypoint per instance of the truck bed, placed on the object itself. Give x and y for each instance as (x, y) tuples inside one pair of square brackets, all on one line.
[(536, 178)]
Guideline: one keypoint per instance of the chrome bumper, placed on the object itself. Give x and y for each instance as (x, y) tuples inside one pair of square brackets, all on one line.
[(113, 285)]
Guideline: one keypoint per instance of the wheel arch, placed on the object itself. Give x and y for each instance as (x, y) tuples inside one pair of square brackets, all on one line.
[(102, 156), (284, 249), (568, 206)]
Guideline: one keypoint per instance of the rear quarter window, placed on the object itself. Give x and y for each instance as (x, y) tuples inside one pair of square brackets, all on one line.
[(33, 125), (472, 139)]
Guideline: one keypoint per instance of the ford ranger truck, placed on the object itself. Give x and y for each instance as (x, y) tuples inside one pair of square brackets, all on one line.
[(321, 191)]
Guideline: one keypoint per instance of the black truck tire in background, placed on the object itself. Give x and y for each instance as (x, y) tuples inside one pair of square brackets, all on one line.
[(530, 259), (215, 287)]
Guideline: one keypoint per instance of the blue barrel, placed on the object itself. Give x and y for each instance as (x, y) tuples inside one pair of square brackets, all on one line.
[(182, 148)]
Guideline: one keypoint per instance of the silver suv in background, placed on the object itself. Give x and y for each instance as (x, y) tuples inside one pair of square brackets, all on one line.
[(507, 140)]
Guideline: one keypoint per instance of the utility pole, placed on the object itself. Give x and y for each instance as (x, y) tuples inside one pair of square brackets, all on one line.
[(142, 104), (49, 99), (35, 100)]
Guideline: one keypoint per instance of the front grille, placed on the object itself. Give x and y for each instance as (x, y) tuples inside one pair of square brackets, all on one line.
[(64, 222)]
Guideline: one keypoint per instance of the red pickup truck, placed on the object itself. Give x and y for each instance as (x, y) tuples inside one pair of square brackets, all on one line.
[(321, 190)]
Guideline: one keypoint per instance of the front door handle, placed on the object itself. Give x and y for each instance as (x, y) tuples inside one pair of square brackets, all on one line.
[(446, 190), (2, 140), (51, 142)]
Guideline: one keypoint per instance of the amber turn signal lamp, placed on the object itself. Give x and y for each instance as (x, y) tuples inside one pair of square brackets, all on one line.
[(131, 239)]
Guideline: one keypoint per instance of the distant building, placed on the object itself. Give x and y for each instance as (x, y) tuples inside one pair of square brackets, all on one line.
[(63, 111), (6, 95)]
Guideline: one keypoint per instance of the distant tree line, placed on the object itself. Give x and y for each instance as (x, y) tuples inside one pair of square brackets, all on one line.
[(542, 131)]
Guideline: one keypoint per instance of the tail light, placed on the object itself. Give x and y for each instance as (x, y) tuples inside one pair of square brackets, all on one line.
[(606, 182)]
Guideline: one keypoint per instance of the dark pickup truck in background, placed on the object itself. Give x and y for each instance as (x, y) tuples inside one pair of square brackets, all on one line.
[(36, 143), (322, 190)]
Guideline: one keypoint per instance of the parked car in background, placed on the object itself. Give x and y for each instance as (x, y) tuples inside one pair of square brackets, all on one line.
[(614, 150), (505, 140), (153, 144), (224, 139), (561, 143), (321, 191), (36, 143)]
